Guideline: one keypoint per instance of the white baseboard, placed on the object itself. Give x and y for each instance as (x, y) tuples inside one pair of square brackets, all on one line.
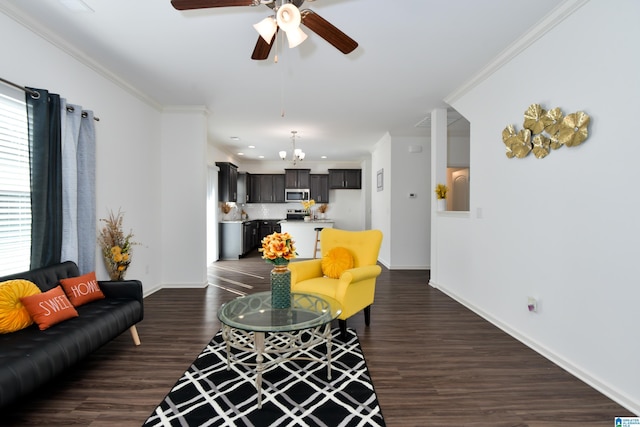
[(388, 266), (147, 292), (184, 285), (606, 389)]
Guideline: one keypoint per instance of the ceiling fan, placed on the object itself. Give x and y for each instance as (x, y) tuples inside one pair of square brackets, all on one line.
[(288, 17)]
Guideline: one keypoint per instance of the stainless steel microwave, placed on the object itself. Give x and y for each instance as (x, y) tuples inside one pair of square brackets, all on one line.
[(296, 195)]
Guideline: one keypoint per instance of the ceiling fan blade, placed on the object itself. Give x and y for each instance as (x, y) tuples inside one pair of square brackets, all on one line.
[(262, 49), (328, 31), (204, 4)]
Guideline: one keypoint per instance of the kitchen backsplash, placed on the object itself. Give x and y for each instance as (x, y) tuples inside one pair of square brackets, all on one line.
[(263, 210)]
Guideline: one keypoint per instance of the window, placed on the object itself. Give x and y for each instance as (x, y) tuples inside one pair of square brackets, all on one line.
[(15, 187)]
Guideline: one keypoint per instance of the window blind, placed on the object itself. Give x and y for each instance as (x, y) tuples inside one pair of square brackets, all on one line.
[(15, 187)]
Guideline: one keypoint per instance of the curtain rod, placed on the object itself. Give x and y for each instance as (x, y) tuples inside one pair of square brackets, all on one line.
[(37, 95)]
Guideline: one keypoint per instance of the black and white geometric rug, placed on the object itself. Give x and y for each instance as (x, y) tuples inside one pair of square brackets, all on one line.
[(295, 392)]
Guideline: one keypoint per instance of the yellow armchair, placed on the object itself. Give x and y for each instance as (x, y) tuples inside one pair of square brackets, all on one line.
[(355, 288)]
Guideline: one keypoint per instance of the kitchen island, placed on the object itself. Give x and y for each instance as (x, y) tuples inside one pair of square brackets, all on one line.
[(304, 235)]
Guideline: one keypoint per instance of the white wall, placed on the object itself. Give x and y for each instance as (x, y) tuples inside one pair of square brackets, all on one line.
[(404, 221), (458, 152), (410, 217), (184, 196), (128, 134), (561, 229), (381, 200), (150, 164)]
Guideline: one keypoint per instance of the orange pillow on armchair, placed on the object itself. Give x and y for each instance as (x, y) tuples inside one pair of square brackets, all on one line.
[(336, 261)]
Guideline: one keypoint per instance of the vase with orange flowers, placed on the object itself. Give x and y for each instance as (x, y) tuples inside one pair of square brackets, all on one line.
[(278, 249), (115, 245)]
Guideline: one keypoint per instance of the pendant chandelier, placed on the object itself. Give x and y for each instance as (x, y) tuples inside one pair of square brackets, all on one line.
[(296, 153)]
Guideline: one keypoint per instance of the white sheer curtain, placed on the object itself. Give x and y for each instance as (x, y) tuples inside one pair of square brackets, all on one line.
[(78, 186)]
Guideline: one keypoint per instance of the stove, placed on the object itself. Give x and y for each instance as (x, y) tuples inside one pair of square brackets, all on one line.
[(295, 214)]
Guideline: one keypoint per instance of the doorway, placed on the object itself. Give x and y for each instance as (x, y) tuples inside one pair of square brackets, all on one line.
[(458, 182)]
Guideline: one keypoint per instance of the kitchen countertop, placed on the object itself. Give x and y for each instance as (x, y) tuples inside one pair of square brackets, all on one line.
[(301, 221), (241, 221)]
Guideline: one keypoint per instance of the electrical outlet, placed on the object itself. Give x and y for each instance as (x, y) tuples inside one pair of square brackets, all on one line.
[(532, 304)]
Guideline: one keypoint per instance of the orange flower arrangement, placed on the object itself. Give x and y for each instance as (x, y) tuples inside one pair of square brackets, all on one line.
[(116, 246), (278, 248)]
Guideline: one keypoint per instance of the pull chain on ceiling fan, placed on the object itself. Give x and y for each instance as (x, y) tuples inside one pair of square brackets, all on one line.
[(288, 17)]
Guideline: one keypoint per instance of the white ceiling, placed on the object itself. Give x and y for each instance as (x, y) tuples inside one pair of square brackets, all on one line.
[(411, 55)]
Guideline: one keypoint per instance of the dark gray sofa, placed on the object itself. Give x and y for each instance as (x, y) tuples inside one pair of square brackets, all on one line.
[(31, 357)]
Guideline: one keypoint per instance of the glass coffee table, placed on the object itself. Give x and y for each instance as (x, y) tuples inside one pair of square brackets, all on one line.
[(249, 323)]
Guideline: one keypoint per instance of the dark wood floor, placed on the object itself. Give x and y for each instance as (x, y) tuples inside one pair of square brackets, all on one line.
[(433, 362)]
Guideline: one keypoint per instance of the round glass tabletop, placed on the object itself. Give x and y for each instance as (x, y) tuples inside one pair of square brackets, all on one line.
[(254, 312)]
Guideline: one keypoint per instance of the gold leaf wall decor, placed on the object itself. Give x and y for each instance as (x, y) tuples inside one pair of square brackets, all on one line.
[(541, 146), (574, 129), (545, 130), (508, 134), (533, 118)]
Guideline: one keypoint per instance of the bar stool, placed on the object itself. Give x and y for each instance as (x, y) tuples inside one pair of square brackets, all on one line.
[(316, 248)]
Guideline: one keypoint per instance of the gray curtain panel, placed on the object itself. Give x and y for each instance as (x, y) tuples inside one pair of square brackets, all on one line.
[(78, 187)]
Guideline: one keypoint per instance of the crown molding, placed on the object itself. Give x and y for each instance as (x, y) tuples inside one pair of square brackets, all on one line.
[(75, 53), (553, 19), (187, 109)]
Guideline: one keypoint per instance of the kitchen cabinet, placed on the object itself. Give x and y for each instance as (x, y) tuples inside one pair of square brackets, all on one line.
[(266, 188), (246, 237), (244, 186), (253, 189), (278, 188), (256, 239), (250, 236), (297, 178), (319, 187), (227, 182), (269, 226), (345, 179)]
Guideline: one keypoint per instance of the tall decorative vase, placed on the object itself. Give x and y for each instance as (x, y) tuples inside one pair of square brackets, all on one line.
[(442, 205), (116, 275), (280, 287)]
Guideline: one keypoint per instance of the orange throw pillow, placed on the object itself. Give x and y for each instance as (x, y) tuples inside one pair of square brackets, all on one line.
[(49, 308), (336, 261), (82, 289)]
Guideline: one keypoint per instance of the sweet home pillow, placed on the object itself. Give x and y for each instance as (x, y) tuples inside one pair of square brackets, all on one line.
[(13, 314), (336, 261), (82, 289), (49, 308)]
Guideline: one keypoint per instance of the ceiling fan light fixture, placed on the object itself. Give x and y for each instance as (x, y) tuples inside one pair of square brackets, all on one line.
[(288, 17), (295, 37), (266, 28)]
